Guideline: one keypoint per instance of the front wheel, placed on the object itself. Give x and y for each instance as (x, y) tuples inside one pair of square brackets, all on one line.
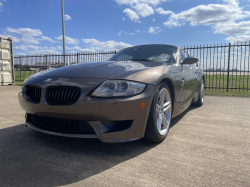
[(160, 115), (201, 96)]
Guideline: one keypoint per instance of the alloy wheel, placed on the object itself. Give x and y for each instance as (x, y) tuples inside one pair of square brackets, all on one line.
[(202, 91), (163, 111)]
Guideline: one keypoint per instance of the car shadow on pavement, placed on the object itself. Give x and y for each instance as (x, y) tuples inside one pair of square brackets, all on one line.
[(179, 117), (30, 158)]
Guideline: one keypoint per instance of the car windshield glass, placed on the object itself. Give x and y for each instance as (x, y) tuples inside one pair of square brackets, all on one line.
[(155, 53)]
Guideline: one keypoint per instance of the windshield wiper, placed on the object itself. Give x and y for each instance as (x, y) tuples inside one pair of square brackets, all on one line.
[(141, 59)]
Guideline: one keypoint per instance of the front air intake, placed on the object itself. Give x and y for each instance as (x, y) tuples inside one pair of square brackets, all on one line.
[(33, 93), (62, 95)]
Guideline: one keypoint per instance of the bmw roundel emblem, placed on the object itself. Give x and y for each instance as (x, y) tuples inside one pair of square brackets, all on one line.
[(47, 80)]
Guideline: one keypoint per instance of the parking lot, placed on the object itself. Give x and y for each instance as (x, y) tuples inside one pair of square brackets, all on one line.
[(207, 146)]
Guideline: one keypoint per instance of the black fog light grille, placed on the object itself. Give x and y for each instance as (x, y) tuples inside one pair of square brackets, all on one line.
[(62, 95), (33, 93), (60, 125), (114, 126)]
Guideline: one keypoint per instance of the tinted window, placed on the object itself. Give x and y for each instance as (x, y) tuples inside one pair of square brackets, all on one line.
[(156, 53)]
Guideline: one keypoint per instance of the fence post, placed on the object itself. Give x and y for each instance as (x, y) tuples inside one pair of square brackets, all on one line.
[(46, 62), (77, 58), (228, 65), (20, 68)]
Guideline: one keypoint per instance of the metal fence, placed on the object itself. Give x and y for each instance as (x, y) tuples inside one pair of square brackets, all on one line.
[(226, 66), (28, 65)]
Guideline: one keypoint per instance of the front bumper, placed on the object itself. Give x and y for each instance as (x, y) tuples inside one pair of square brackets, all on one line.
[(95, 110)]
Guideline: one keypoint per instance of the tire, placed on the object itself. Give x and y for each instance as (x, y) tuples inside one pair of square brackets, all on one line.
[(157, 125), (200, 101)]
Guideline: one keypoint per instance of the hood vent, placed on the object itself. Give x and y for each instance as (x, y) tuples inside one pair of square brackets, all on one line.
[(62, 95)]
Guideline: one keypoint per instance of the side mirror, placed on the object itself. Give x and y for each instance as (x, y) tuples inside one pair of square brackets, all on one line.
[(190, 60)]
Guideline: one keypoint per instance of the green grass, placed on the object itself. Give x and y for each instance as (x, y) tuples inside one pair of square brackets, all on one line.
[(23, 76), (230, 93), (212, 80), (220, 81)]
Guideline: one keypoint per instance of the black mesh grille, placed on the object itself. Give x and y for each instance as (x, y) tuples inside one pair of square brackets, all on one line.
[(33, 93), (60, 125), (62, 95)]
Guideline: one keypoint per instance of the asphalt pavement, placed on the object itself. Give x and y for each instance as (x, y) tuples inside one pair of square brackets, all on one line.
[(206, 146)]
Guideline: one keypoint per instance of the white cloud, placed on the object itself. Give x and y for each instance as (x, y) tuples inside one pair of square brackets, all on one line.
[(154, 30), (27, 47), (79, 49), (233, 28), (105, 46), (163, 12), (132, 15), (222, 18), (46, 50), (129, 33), (67, 17), (153, 20), (132, 2), (74, 48), (67, 40), (25, 40), (25, 31), (239, 38), (120, 33), (143, 9), (1, 6), (137, 31), (47, 39), (211, 13), (123, 19), (33, 50), (21, 54), (173, 23)]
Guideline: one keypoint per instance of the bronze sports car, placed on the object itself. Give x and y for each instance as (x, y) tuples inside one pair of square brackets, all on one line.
[(134, 94)]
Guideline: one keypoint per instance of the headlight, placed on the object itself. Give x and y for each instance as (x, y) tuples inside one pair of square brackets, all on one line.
[(119, 88)]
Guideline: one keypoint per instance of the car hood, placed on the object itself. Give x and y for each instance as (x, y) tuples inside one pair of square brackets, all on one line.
[(100, 70)]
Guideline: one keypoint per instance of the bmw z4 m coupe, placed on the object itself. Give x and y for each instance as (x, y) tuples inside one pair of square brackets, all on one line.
[(134, 94)]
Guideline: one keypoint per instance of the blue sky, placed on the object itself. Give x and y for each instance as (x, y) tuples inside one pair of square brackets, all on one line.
[(100, 25)]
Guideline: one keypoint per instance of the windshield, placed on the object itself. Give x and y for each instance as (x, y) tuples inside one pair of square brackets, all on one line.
[(155, 53)]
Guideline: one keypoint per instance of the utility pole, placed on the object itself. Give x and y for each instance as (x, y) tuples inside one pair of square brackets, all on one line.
[(63, 34)]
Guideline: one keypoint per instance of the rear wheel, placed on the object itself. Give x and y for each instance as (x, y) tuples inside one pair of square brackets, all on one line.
[(160, 115)]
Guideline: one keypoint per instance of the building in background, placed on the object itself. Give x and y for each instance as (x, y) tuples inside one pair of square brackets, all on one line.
[(6, 61)]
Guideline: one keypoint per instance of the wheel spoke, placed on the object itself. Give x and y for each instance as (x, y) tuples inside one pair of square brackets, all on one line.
[(166, 108), (158, 107), (164, 121), (159, 121), (162, 97)]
